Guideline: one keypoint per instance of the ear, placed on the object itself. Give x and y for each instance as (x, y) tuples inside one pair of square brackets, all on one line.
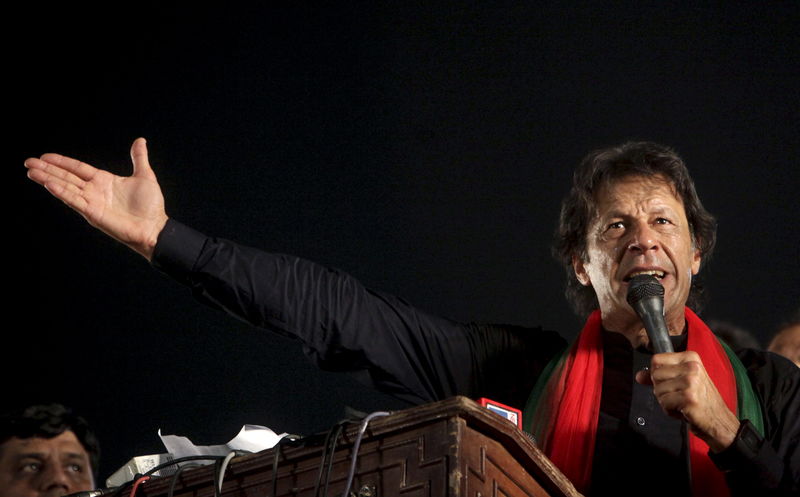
[(696, 259), (580, 271)]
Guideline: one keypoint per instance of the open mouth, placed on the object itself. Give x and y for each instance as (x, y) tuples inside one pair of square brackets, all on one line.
[(653, 272)]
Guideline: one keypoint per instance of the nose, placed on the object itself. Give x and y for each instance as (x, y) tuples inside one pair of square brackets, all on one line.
[(55, 477), (642, 237)]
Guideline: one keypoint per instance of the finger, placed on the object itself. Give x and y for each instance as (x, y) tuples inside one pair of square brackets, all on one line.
[(40, 169), (673, 358), (666, 359), (39, 176), (80, 169), (674, 404), (67, 193), (643, 377), (691, 371), (43, 178), (665, 373), (141, 163), (679, 384)]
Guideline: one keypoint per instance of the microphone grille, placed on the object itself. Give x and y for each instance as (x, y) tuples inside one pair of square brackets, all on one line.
[(642, 286)]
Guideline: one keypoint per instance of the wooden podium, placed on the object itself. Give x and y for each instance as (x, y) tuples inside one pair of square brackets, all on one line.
[(450, 448)]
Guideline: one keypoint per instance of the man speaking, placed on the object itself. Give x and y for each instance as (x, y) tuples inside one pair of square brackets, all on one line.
[(611, 414)]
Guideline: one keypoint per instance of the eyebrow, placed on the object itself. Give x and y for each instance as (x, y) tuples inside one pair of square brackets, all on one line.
[(77, 455), (661, 209), (32, 455), (42, 455)]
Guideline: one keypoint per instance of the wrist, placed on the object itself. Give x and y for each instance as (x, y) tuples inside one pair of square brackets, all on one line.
[(725, 432), (147, 248), (745, 445)]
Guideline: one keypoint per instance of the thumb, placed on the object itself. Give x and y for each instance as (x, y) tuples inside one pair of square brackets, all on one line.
[(141, 164), (643, 377)]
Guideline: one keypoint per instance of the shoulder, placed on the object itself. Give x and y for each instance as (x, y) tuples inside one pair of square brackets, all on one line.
[(761, 363), (775, 378), (508, 359), (544, 341)]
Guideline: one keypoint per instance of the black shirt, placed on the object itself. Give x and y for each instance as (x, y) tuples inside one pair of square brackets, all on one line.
[(633, 428), (403, 351)]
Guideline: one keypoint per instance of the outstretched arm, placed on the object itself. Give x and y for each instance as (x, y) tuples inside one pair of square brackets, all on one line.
[(129, 209)]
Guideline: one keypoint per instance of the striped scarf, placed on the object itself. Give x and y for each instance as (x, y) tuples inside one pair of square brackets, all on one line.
[(563, 408)]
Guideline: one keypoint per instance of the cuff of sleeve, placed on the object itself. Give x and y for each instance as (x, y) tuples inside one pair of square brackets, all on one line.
[(177, 249), (745, 448)]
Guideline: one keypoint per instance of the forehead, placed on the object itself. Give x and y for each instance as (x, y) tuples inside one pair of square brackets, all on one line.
[(637, 192), (64, 444), (790, 335)]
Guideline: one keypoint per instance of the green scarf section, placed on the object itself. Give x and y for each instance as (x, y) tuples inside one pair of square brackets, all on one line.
[(530, 413), (748, 406)]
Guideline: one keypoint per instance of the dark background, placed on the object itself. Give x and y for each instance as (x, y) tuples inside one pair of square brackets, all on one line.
[(423, 149)]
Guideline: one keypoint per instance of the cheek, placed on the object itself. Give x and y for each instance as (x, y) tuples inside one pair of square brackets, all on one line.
[(83, 481), (604, 260)]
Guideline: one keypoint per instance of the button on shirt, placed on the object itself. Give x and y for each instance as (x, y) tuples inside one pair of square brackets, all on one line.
[(634, 435)]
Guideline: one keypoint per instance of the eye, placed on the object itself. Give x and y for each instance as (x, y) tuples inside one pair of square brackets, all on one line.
[(663, 220), (76, 468), (616, 225), (31, 467)]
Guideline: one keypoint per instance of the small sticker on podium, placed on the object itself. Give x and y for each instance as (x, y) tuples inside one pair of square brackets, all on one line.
[(508, 412)]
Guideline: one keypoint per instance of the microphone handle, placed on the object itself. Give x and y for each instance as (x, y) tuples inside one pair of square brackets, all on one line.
[(656, 329)]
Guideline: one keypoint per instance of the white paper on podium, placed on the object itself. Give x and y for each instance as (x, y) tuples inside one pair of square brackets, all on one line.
[(251, 438)]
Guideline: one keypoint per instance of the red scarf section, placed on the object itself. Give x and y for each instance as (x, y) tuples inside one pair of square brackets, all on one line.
[(571, 401)]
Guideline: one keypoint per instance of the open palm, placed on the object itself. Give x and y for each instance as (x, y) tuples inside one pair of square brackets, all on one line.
[(130, 209)]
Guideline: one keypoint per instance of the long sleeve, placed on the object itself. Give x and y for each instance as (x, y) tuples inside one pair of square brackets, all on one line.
[(345, 326), (768, 465)]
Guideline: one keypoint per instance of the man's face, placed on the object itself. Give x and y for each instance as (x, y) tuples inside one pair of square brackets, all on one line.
[(787, 344), (44, 467), (640, 226)]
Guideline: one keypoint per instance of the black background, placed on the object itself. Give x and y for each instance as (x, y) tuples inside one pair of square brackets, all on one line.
[(424, 149)]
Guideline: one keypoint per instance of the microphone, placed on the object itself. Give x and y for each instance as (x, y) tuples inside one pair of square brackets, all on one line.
[(94, 493), (646, 296), (87, 493)]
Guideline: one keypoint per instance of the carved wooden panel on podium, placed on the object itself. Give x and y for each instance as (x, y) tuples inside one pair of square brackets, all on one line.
[(450, 448)]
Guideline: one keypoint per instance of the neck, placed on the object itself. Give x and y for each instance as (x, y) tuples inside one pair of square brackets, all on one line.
[(631, 327)]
